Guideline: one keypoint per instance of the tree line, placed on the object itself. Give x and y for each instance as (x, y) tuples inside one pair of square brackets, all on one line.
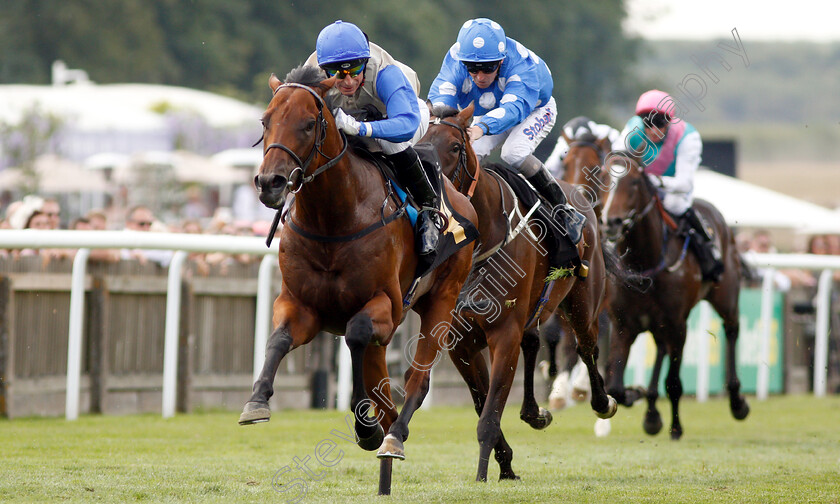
[(232, 47)]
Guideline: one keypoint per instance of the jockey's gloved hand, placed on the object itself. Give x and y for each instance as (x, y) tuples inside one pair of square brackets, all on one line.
[(349, 125)]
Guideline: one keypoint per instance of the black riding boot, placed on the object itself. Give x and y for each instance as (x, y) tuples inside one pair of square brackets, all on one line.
[(417, 183), (571, 221), (707, 252)]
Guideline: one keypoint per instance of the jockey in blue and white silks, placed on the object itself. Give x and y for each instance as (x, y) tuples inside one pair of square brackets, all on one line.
[(367, 76), (511, 88), (670, 149)]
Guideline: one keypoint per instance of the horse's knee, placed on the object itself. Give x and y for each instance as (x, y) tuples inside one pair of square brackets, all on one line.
[(488, 431), (359, 331)]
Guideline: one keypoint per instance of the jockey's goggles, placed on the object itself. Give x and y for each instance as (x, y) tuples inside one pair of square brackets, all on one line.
[(487, 67), (656, 120), (351, 68)]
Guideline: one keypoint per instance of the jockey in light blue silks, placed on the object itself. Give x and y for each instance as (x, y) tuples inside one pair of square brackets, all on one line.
[(367, 76), (671, 151), (511, 89)]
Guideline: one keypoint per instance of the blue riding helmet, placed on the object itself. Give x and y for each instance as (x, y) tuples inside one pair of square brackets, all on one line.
[(341, 41), (481, 40)]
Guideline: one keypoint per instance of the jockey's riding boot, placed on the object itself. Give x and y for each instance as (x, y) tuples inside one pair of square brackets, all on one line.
[(708, 254), (569, 219), (412, 175)]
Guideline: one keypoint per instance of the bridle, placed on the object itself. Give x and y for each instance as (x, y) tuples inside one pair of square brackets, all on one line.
[(320, 136), (461, 172)]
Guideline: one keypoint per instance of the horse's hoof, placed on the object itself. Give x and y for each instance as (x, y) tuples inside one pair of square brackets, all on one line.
[(371, 443), (541, 421), (741, 411), (652, 424), (676, 433), (612, 407), (508, 476), (254, 412), (391, 448)]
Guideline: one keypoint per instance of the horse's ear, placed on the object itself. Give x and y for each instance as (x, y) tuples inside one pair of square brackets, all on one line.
[(326, 85), (465, 116), (274, 83), (603, 143)]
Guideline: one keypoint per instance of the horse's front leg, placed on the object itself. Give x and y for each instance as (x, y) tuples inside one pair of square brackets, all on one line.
[(530, 412), (371, 325), (296, 325), (434, 328), (652, 423)]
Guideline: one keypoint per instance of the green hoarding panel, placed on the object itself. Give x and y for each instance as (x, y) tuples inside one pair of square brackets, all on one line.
[(643, 351)]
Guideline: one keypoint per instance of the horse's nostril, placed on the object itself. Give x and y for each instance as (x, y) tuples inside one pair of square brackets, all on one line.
[(270, 182), (278, 182)]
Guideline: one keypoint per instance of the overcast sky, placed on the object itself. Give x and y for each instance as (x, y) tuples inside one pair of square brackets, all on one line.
[(812, 20)]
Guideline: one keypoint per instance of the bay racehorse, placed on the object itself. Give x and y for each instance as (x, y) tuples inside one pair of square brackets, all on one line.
[(646, 240), (347, 261), (581, 168), (508, 294)]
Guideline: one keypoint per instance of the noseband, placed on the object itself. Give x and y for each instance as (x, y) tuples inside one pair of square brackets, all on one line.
[(320, 136)]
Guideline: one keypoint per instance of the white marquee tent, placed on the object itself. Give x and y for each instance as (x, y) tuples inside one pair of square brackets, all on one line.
[(747, 205)]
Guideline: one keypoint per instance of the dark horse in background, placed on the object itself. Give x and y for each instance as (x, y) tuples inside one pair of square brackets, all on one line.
[(639, 226), (347, 262), (509, 275)]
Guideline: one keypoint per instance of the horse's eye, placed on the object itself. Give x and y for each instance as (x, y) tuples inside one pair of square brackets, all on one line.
[(455, 149), (310, 126)]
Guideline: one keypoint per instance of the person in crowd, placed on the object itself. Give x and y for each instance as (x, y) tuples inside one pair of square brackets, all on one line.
[(52, 209), (142, 219), (369, 78), (511, 88)]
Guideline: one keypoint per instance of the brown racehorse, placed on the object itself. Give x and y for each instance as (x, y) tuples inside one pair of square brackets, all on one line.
[(347, 264), (510, 275), (637, 223), (581, 168)]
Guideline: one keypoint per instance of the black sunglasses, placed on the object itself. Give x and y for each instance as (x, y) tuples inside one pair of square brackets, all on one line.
[(656, 120), (487, 67)]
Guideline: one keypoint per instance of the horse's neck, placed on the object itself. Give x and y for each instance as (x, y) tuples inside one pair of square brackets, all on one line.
[(487, 201), (644, 241), (332, 201)]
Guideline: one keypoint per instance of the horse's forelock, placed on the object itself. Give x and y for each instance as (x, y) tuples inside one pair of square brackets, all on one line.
[(305, 74), (444, 111)]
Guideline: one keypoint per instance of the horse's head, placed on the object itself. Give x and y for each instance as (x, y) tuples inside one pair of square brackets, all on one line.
[(448, 134), (296, 124), (631, 197)]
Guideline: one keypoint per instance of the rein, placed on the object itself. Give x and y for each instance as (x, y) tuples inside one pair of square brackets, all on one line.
[(462, 159), (633, 218), (320, 136)]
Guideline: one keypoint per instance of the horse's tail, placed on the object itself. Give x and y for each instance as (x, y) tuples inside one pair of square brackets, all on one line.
[(748, 272), (616, 270)]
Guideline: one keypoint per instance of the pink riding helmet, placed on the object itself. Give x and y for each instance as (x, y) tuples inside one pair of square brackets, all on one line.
[(655, 100)]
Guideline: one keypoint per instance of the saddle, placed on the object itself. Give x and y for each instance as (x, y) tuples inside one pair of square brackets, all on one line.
[(562, 253), (456, 230)]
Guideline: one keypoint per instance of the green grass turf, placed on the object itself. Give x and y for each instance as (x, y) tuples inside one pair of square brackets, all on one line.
[(787, 450)]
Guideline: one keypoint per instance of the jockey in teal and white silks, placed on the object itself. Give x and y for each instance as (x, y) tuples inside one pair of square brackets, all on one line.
[(367, 76), (511, 88), (670, 151)]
